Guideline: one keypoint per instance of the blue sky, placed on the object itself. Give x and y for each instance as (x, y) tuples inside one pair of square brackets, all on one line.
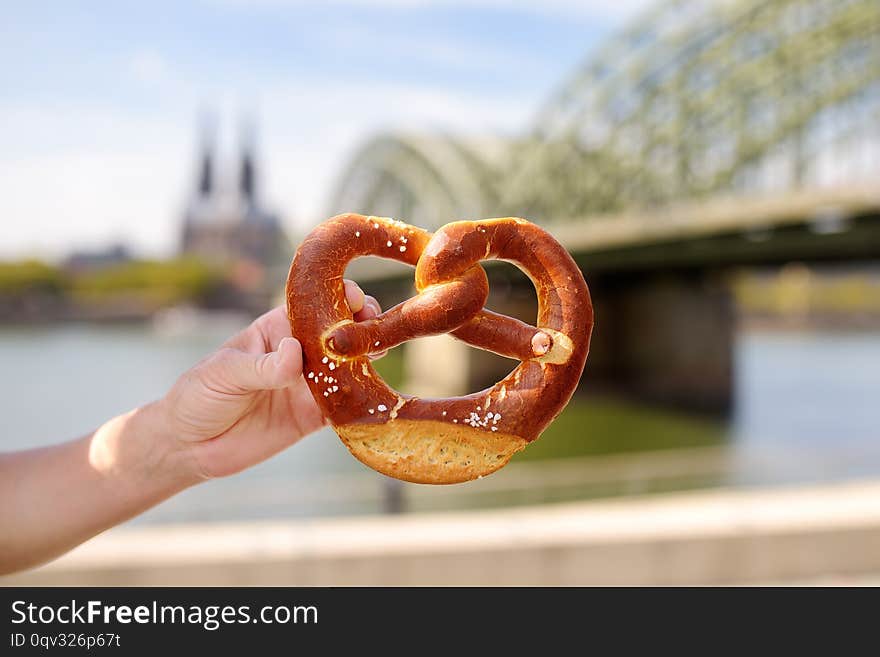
[(99, 101)]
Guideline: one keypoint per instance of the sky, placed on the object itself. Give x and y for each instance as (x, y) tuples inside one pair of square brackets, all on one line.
[(100, 102)]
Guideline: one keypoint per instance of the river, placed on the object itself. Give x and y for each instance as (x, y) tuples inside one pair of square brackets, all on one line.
[(807, 409)]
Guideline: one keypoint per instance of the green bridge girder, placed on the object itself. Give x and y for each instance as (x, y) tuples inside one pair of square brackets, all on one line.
[(697, 98), (429, 181)]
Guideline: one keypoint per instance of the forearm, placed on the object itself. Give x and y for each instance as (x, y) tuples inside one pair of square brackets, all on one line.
[(57, 497)]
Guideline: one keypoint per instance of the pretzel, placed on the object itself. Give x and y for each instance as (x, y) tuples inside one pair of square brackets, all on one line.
[(456, 439)]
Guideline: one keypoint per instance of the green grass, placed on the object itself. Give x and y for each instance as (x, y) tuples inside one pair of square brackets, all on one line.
[(164, 282), (594, 426), (159, 282), (607, 426), (390, 367), (29, 275)]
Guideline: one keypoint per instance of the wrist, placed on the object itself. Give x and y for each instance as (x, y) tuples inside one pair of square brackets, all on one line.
[(139, 450)]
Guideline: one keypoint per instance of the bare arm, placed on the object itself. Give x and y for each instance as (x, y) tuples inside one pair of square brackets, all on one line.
[(57, 497), (236, 408)]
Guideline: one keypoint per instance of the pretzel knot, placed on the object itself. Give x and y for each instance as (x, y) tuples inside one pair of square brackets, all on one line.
[(438, 440)]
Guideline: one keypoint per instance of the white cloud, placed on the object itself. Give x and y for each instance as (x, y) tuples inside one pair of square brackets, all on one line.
[(432, 49), (83, 200), (80, 176), (334, 119), (83, 174), (148, 67), (587, 9)]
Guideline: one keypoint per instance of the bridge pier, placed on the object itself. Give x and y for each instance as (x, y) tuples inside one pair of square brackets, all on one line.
[(665, 338)]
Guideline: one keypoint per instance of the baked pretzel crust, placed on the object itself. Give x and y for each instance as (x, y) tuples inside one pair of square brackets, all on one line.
[(454, 439)]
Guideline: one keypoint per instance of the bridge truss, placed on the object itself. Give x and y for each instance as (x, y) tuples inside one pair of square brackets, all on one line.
[(696, 98)]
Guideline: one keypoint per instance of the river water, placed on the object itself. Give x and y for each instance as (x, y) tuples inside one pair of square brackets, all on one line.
[(807, 409)]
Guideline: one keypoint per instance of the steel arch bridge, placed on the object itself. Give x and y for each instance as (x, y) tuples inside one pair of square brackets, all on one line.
[(695, 98), (428, 180)]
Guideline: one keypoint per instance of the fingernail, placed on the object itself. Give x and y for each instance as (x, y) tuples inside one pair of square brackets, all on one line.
[(541, 343), (358, 304)]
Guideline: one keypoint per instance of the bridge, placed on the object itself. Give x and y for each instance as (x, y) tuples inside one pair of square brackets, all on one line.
[(708, 135)]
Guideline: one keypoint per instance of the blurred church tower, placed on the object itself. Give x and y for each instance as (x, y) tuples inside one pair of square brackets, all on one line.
[(224, 221)]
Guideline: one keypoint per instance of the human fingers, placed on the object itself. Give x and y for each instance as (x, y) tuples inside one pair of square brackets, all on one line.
[(371, 309), (235, 371), (354, 295)]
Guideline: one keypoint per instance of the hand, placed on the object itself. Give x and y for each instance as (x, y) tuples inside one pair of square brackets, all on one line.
[(232, 410), (248, 400)]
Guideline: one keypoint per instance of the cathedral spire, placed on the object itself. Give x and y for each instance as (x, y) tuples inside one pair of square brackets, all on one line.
[(206, 173), (224, 221), (247, 175), (206, 164)]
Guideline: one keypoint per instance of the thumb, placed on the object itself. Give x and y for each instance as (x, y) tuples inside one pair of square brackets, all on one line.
[(240, 371)]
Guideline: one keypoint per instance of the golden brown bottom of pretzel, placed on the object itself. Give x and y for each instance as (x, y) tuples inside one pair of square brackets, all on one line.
[(427, 451)]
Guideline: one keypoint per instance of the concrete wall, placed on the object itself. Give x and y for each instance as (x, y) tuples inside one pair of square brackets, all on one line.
[(667, 338), (822, 534), (663, 337)]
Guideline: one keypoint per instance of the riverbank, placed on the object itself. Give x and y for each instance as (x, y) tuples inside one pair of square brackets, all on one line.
[(827, 322), (821, 534), (33, 292)]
